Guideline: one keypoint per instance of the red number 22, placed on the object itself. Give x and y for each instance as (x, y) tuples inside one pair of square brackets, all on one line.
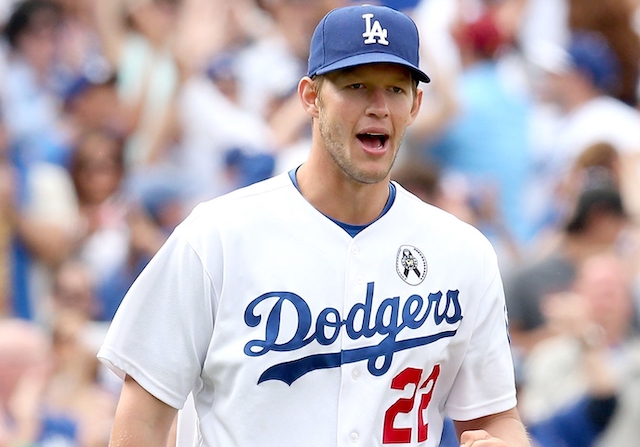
[(409, 376)]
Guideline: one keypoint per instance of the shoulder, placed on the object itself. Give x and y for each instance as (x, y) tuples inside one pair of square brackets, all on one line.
[(613, 110), (246, 206), (437, 222), (613, 104), (271, 189), (447, 241)]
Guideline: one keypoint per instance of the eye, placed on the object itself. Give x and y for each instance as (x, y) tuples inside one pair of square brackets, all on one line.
[(356, 86), (397, 89)]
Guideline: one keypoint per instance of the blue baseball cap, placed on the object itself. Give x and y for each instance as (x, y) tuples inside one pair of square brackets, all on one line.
[(364, 34), (587, 52), (590, 53)]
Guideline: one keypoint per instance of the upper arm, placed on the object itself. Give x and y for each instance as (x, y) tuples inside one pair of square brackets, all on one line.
[(141, 419), (109, 22)]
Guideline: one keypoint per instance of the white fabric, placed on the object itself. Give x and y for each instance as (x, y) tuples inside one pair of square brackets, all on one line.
[(52, 197), (151, 75), (544, 21), (107, 247), (434, 19), (51, 200), (188, 323), (556, 378), (267, 70), (601, 119), (211, 125), (5, 9), (559, 139)]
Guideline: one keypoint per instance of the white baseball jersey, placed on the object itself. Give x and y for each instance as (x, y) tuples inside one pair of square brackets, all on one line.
[(289, 332)]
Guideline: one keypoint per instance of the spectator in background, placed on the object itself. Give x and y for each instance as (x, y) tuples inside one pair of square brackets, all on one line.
[(92, 103), (596, 220), (31, 86), (25, 358), (42, 210), (486, 140), (49, 394), (76, 404), (136, 37), (80, 53), (438, 17), (425, 181), (441, 103), (98, 173), (421, 179), (554, 21), (595, 227), (580, 112), (44, 221), (238, 127), (281, 53), (612, 19), (73, 292), (595, 352), (121, 229), (213, 120), (280, 56), (600, 161)]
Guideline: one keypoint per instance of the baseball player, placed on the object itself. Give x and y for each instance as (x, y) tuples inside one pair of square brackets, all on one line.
[(326, 306)]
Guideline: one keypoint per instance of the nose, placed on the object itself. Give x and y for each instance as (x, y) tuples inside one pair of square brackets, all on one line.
[(377, 105)]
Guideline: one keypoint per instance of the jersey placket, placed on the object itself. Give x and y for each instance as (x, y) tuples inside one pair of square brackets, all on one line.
[(350, 430)]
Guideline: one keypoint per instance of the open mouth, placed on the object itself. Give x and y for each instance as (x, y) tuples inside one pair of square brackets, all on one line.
[(373, 141)]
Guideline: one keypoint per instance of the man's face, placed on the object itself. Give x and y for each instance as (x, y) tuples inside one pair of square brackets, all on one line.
[(39, 42), (362, 116), (605, 287)]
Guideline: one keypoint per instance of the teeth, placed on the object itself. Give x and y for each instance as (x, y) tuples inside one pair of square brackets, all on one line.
[(373, 140), (382, 137)]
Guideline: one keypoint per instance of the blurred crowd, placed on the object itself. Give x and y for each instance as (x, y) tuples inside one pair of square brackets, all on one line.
[(117, 117)]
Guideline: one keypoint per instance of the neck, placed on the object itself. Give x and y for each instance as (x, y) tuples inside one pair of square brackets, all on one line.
[(579, 99), (340, 198)]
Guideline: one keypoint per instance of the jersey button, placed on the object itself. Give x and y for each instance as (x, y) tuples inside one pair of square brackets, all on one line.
[(353, 437), (359, 279), (355, 249), (355, 374)]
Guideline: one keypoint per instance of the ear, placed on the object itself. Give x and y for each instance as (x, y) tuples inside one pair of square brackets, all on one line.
[(308, 96), (415, 107)]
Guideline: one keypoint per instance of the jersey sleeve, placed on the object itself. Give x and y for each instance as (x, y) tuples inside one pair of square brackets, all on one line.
[(161, 331), (485, 383)]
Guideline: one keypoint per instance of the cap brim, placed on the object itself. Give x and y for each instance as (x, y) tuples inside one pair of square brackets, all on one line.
[(549, 57), (373, 58)]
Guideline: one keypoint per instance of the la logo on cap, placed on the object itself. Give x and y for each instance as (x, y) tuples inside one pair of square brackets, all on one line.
[(356, 35), (374, 31)]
